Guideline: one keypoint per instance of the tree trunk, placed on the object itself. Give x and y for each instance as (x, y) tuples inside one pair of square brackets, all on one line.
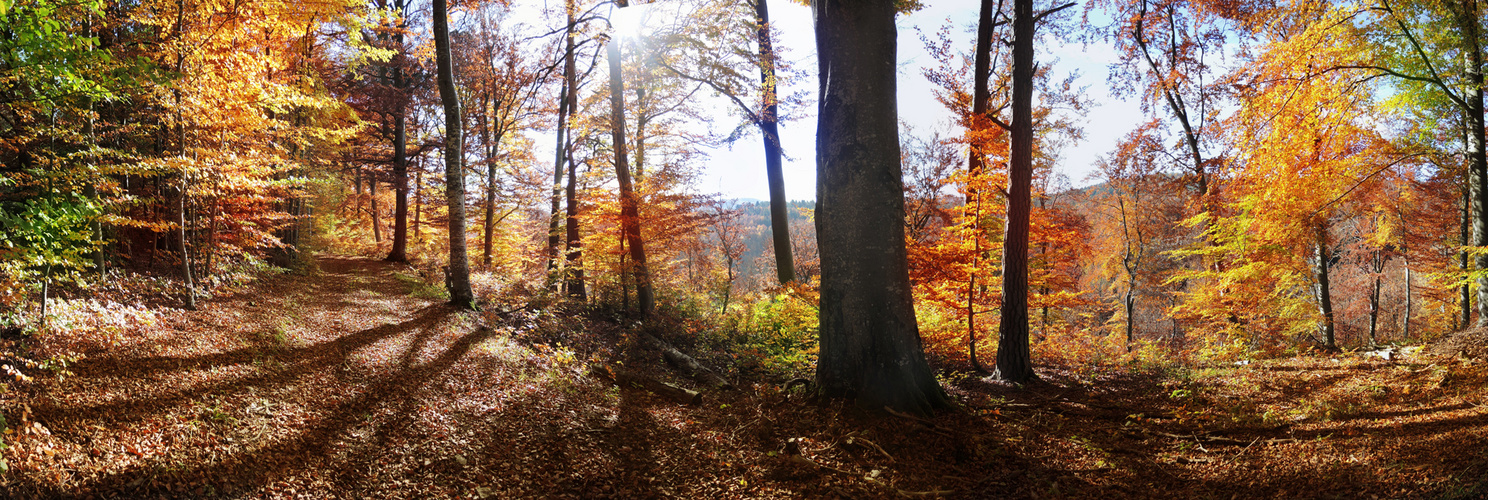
[(629, 213), (870, 343), (1465, 238), (1405, 323), (376, 212), (1014, 362), (1479, 166), (1377, 264), (418, 204), (573, 264), (769, 124), (400, 188), (1324, 291), (554, 236), (454, 168), (976, 162), (488, 223), (185, 251)]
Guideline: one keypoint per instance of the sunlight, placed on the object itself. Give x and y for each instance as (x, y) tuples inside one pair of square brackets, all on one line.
[(629, 21)]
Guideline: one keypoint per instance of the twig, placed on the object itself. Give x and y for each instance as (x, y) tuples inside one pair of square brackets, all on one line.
[(931, 493), (1242, 451), (928, 424), (851, 438)]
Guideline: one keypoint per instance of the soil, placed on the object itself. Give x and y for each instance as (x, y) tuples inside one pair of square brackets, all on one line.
[(342, 384)]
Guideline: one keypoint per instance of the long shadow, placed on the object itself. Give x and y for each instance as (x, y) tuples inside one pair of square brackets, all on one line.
[(259, 468), (301, 361)]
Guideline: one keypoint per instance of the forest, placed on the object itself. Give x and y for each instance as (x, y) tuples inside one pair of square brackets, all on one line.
[(469, 249)]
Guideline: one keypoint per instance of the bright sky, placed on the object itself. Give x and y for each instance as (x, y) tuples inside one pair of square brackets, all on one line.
[(739, 172)]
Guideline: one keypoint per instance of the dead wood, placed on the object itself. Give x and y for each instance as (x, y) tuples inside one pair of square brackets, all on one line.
[(689, 366)]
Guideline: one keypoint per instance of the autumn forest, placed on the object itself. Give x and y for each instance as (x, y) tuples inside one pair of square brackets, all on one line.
[(473, 249)]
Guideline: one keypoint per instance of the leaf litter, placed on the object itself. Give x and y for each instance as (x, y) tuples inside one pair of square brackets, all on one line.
[(339, 384)]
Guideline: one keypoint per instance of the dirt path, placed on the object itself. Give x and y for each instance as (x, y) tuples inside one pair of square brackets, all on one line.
[(333, 384)]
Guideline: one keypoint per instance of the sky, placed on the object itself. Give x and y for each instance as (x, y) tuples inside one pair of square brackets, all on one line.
[(738, 171)]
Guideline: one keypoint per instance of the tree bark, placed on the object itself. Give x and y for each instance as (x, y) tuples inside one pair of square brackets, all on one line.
[(400, 190), (1014, 362), (1325, 292), (769, 125), (454, 164), (629, 212), (573, 264), (976, 162), (870, 343)]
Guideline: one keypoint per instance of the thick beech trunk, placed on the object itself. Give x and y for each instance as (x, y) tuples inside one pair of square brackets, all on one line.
[(785, 267), (458, 280), (1014, 362), (870, 343)]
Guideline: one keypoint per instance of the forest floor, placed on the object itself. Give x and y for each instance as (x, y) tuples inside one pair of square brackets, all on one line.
[(341, 383)]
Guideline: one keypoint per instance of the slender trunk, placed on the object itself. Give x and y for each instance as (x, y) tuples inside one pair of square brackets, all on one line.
[(400, 187), (489, 221), (1376, 265), (871, 349), (1131, 309), (1014, 361), (1464, 301), (785, 268), (454, 164), (185, 251), (1324, 290), (376, 212), (1405, 322), (976, 163), (554, 236), (573, 264), (418, 205), (629, 211), (1479, 166)]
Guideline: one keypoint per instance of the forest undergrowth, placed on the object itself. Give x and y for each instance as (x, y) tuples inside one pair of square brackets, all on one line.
[(349, 379)]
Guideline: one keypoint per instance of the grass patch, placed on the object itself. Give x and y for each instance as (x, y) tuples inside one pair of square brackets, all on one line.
[(419, 288)]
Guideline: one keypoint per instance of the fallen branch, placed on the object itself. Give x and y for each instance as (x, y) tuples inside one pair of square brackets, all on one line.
[(689, 366), (1204, 438), (917, 494), (928, 424), (621, 376), (854, 439)]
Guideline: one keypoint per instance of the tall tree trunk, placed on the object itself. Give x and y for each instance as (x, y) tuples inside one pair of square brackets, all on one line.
[(629, 211), (376, 212), (559, 156), (454, 164), (185, 249), (574, 251), (769, 124), (573, 265), (400, 188), (1464, 301), (418, 204), (870, 342), (1405, 322), (1014, 362), (1479, 165), (488, 223), (976, 162), (1324, 290), (1377, 266)]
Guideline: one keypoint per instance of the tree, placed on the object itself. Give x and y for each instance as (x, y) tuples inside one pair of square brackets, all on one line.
[(870, 343), (458, 280), (629, 211), (1014, 362)]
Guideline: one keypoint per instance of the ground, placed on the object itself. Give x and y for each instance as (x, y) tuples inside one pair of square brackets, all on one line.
[(343, 383)]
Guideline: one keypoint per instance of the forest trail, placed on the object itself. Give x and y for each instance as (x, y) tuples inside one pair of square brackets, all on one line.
[(335, 383), (341, 383)]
